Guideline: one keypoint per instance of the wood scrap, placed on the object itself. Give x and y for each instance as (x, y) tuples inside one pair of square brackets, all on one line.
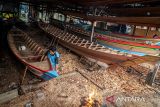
[(88, 78), (31, 87), (24, 74), (7, 96)]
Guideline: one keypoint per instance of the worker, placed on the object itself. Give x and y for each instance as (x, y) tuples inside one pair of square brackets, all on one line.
[(53, 56)]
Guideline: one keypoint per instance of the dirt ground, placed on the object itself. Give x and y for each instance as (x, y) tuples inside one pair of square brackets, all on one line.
[(68, 90)]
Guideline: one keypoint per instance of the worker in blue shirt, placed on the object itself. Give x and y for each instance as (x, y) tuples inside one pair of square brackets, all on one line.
[(53, 56)]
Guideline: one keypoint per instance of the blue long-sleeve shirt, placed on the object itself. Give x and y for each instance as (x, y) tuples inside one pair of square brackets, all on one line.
[(53, 59)]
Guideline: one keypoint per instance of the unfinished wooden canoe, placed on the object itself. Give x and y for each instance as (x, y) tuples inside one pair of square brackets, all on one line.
[(30, 53), (124, 37), (128, 45), (84, 47)]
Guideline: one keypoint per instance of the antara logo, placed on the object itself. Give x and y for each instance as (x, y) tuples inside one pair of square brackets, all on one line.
[(113, 99)]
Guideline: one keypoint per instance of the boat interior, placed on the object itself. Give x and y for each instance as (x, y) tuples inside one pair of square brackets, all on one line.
[(29, 50)]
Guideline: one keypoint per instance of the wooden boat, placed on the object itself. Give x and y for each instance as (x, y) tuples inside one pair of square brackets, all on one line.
[(87, 33), (124, 37), (30, 54), (130, 37), (84, 47), (131, 45), (128, 42), (147, 50), (138, 39), (122, 50)]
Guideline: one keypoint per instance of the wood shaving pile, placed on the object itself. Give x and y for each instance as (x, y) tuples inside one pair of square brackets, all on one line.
[(68, 61)]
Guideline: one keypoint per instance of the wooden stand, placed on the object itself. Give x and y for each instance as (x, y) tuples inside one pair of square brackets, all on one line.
[(24, 75)]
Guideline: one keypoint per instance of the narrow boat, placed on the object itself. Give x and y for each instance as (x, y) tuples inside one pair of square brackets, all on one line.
[(145, 41), (30, 53), (111, 35), (84, 47), (133, 46), (123, 50), (147, 49), (141, 38)]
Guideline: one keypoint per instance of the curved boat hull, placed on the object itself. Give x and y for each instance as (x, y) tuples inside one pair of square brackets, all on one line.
[(20, 43), (85, 48)]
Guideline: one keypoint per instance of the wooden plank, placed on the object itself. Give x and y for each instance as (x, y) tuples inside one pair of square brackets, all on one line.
[(145, 21), (31, 87), (7, 96), (66, 75)]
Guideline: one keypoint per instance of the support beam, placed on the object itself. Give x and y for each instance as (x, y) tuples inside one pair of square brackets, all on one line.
[(112, 2), (92, 33), (93, 23), (154, 11), (134, 29), (147, 31), (24, 74), (139, 21)]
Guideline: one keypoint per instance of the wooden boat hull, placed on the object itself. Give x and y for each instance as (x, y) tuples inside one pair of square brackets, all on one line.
[(148, 51), (125, 37), (122, 50), (30, 61), (135, 41), (139, 38), (128, 43), (84, 50)]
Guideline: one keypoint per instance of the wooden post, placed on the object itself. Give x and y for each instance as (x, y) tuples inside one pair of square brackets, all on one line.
[(120, 28), (24, 74), (147, 31), (65, 21), (134, 29), (57, 42), (92, 33), (93, 23), (42, 13)]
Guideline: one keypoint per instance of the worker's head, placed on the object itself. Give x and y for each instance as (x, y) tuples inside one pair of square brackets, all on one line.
[(52, 50)]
